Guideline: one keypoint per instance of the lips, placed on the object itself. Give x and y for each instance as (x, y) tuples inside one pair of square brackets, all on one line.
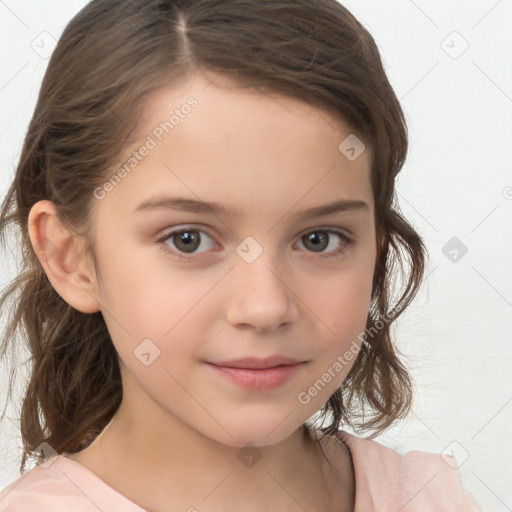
[(255, 363), (257, 375)]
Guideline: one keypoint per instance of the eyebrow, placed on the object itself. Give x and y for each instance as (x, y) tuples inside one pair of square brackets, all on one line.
[(212, 208)]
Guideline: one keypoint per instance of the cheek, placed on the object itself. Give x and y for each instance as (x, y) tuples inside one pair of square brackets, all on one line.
[(342, 318), (340, 304), (341, 300), (157, 312), (341, 312)]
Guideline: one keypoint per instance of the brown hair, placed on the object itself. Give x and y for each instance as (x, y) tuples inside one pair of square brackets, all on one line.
[(113, 53)]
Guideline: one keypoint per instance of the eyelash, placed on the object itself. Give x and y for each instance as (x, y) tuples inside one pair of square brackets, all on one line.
[(346, 241)]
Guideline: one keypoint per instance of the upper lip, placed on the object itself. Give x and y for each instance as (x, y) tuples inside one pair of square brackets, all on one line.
[(258, 363)]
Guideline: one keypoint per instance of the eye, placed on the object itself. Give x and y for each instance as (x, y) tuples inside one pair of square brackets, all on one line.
[(319, 243), (187, 240)]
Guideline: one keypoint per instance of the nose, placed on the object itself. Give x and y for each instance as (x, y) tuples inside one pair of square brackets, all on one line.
[(261, 295)]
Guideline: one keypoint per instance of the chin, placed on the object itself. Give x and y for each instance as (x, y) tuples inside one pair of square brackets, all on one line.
[(260, 434)]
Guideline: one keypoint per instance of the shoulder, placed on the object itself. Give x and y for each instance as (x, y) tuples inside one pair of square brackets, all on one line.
[(416, 481), (45, 487), (61, 485)]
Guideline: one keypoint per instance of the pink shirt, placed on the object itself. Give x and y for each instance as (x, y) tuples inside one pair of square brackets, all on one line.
[(385, 482)]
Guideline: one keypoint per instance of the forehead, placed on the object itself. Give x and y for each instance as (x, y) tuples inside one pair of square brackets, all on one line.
[(244, 145), (236, 103)]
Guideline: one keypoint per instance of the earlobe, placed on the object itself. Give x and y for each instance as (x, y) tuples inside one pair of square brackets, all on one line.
[(58, 250)]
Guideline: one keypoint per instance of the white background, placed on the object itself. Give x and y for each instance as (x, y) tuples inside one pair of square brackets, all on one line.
[(457, 182)]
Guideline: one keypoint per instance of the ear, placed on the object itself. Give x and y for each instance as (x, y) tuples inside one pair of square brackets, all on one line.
[(59, 250)]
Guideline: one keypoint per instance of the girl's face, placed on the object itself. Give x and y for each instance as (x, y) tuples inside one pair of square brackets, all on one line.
[(255, 275)]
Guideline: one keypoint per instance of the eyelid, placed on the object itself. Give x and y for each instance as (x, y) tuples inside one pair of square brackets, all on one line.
[(206, 229), (180, 229), (345, 235)]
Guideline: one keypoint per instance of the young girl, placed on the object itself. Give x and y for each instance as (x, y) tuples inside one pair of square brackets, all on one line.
[(205, 200)]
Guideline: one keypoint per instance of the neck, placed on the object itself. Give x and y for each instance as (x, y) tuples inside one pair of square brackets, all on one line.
[(179, 465)]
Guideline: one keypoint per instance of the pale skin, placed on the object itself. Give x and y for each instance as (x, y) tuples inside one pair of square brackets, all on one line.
[(174, 441)]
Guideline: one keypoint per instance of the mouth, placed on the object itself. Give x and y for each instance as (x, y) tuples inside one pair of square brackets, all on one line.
[(256, 363), (257, 379)]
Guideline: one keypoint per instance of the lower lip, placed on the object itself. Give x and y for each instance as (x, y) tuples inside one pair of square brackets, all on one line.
[(258, 380)]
